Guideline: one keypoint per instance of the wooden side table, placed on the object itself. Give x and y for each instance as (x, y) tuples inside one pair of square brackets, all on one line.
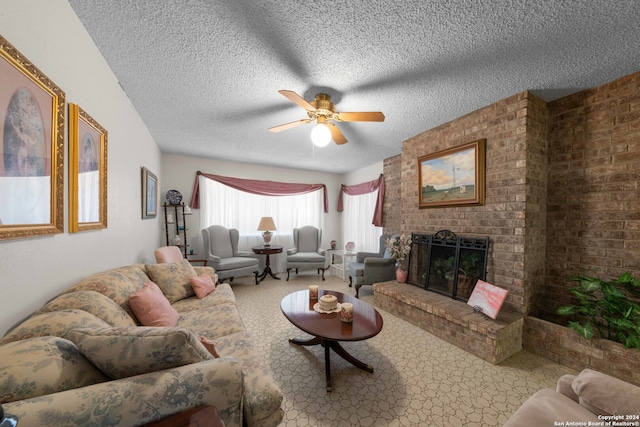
[(267, 250), (200, 416)]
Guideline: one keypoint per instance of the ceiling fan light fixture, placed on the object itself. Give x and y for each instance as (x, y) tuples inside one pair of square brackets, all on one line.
[(321, 135)]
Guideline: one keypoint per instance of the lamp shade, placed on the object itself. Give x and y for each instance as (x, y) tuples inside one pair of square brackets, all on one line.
[(266, 224)]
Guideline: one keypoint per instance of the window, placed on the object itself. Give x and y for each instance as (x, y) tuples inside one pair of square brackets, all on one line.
[(231, 208), (356, 222)]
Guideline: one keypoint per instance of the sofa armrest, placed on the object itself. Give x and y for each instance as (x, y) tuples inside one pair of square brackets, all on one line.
[(564, 387), (547, 408), (245, 254), (140, 399), (215, 260), (210, 271), (379, 269), (603, 394)]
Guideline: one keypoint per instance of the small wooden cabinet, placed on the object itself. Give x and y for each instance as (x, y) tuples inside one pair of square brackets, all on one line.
[(175, 226)]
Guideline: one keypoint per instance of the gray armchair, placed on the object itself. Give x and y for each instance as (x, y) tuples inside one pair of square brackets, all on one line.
[(372, 267), (307, 254), (221, 252)]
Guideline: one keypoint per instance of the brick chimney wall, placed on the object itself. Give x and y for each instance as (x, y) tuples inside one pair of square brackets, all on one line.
[(594, 193)]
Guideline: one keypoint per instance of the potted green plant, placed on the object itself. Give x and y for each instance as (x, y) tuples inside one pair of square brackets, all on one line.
[(609, 309)]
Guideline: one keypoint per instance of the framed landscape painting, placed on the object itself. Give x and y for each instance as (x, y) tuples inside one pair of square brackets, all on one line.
[(452, 177), (32, 119)]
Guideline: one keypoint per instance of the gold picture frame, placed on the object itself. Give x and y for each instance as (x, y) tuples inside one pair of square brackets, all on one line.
[(87, 172), (452, 177), (31, 148)]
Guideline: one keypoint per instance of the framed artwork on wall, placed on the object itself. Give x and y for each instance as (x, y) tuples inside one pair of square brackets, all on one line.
[(87, 172), (32, 120), (149, 194), (452, 177)]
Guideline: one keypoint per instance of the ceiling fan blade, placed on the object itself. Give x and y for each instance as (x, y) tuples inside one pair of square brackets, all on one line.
[(336, 135), (365, 116), (289, 125), (294, 97)]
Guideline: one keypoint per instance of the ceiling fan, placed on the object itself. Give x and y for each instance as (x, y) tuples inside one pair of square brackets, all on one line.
[(322, 110)]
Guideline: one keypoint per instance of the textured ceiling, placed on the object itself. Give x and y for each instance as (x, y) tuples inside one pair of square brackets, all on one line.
[(204, 74)]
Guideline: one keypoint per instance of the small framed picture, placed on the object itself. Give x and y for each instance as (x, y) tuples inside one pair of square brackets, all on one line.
[(149, 194)]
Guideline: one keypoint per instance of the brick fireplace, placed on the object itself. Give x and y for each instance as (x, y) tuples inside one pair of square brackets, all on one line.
[(562, 192), (514, 214)]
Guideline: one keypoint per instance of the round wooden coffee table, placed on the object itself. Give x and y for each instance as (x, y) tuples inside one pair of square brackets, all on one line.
[(327, 328)]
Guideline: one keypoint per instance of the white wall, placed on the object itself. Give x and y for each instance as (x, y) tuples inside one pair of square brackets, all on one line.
[(365, 174), (34, 270)]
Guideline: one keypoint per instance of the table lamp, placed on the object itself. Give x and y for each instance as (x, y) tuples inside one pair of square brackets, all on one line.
[(266, 225)]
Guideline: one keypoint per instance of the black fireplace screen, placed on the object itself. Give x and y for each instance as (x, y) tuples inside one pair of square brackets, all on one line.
[(447, 264)]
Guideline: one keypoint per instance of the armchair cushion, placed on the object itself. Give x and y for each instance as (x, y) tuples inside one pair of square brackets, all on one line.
[(236, 262), (308, 239), (173, 279), (43, 365), (306, 257), (125, 352)]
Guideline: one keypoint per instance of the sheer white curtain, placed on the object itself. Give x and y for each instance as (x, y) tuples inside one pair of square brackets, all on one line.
[(356, 222), (231, 208)]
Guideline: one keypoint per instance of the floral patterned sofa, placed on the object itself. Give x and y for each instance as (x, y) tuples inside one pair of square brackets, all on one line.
[(85, 359)]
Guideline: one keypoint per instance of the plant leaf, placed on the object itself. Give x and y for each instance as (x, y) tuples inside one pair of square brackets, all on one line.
[(566, 310), (590, 284), (585, 331), (609, 291)]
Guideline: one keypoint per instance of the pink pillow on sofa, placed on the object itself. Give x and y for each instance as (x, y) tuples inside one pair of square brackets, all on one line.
[(202, 285), (152, 308)]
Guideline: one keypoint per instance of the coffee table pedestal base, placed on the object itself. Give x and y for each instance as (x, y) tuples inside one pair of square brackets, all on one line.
[(340, 351)]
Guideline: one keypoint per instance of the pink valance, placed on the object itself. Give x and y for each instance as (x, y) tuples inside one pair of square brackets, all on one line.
[(263, 188), (364, 188)]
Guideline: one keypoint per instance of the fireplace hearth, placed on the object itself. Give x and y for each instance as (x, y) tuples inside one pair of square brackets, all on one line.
[(447, 264)]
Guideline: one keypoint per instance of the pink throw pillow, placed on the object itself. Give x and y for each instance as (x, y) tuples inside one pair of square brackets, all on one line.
[(208, 344), (152, 308), (202, 285)]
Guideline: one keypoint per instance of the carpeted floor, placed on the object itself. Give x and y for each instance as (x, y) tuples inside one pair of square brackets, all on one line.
[(419, 380)]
